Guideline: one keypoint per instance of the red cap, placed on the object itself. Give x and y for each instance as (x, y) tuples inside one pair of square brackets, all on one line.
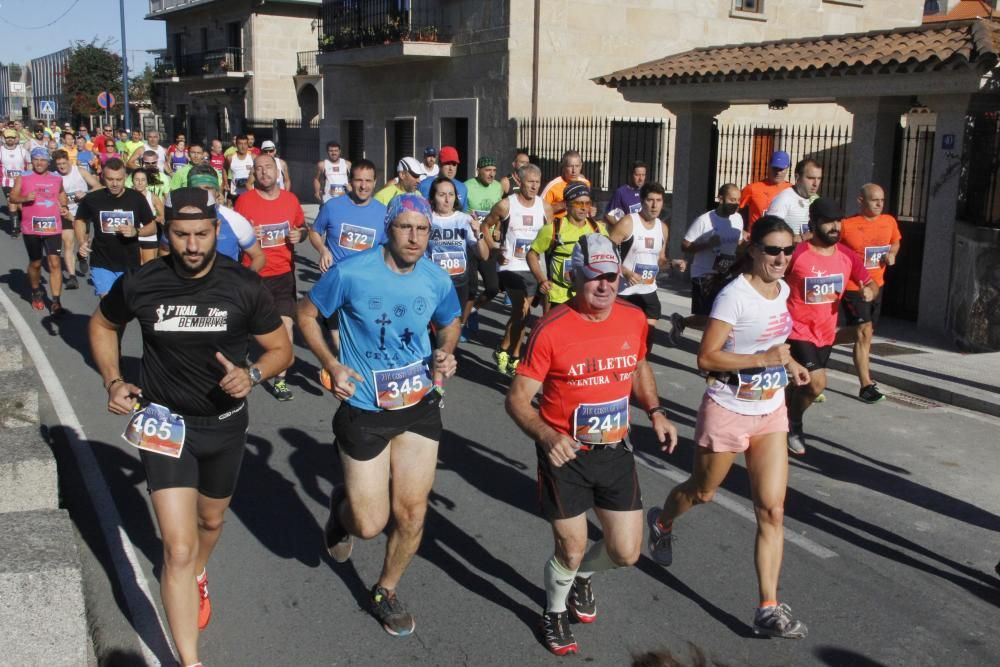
[(448, 154)]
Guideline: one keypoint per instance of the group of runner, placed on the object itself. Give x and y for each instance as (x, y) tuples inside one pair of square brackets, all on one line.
[(398, 291)]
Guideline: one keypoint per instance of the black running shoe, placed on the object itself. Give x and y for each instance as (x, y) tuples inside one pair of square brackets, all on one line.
[(556, 633), (871, 394), (339, 542), (581, 600), (391, 613), (82, 266), (70, 282), (777, 621)]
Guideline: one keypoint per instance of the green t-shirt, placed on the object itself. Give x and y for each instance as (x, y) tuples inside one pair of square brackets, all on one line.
[(388, 193), (180, 177), (569, 234), (160, 190), (481, 197)]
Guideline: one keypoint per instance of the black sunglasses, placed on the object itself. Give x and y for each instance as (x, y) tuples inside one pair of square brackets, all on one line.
[(775, 250)]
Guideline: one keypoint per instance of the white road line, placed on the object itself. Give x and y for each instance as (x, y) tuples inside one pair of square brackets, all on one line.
[(736, 506), (142, 609)]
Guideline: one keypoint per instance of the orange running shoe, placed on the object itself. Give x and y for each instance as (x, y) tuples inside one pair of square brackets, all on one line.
[(204, 602)]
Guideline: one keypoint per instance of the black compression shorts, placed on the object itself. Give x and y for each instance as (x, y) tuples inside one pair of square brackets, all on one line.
[(363, 434), (649, 302), (604, 477)]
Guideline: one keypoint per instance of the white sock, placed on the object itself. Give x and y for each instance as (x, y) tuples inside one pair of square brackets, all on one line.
[(597, 559), (558, 582)]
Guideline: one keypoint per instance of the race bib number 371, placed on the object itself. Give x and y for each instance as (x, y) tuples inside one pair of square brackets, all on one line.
[(398, 388), (824, 289), (155, 429), (273, 235), (601, 423)]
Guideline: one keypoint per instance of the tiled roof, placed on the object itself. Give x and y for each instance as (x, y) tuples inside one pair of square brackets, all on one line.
[(931, 47), (966, 9)]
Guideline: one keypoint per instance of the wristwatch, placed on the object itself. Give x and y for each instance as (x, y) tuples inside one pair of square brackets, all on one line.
[(658, 409), (254, 374)]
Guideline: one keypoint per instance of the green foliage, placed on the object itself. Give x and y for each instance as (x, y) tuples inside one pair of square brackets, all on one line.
[(140, 87), (13, 72), (91, 70)]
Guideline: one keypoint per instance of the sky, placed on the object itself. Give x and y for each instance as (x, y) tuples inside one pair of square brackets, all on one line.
[(25, 33)]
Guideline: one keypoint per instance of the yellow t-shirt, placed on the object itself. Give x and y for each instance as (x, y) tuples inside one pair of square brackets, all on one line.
[(388, 193), (569, 234)]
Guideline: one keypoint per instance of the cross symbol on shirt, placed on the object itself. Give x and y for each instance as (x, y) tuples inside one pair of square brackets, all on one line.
[(384, 320), (407, 336)]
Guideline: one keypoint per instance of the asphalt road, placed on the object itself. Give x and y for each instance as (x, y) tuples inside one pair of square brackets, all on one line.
[(891, 523)]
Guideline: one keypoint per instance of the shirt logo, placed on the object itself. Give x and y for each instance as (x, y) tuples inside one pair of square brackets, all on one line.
[(187, 319), (649, 242), (527, 220)]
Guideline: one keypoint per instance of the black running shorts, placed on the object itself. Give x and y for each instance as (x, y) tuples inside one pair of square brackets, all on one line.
[(649, 302), (363, 434), (603, 477), (701, 302), (210, 460), (858, 311), (519, 281), (282, 289), (38, 246), (810, 355)]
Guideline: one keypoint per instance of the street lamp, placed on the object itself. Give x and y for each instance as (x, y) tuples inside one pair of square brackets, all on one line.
[(128, 122)]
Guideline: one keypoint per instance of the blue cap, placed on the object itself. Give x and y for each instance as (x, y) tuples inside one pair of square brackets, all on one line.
[(430, 150), (39, 152), (780, 160), (411, 201)]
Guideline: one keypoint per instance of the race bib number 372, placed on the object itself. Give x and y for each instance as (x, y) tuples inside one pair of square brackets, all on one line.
[(398, 388), (356, 238), (824, 289), (601, 423), (155, 429)]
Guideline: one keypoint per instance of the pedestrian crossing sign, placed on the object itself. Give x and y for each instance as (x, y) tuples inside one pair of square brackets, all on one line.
[(47, 107)]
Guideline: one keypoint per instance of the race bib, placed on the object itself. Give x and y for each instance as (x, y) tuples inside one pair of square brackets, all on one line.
[(240, 182), (273, 235), (601, 423), (521, 248), (398, 388), (452, 261), (111, 221), (155, 429), (337, 190), (356, 238), (635, 208), (874, 256), (824, 289), (761, 384), (43, 225), (647, 273), (481, 214), (567, 273)]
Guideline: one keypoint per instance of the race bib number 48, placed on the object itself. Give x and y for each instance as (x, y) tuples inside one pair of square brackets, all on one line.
[(356, 238), (273, 235), (398, 388), (824, 289), (761, 384), (874, 256), (601, 423), (112, 221), (155, 429)]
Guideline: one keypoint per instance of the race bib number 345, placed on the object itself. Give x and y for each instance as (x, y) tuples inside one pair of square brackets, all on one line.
[(824, 289), (398, 388), (601, 423), (155, 429)]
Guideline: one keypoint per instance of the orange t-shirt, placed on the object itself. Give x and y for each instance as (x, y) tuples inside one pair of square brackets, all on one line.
[(870, 240), (554, 189), (756, 197)]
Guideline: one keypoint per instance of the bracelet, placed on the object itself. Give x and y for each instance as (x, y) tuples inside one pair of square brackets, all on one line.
[(658, 409), (109, 385)]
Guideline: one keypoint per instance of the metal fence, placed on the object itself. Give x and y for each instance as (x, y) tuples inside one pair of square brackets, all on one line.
[(743, 152), (608, 146), (298, 145), (979, 197), (349, 24), (306, 63)]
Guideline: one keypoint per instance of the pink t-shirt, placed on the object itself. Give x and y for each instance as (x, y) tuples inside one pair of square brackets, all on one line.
[(43, 217), (817, 284)]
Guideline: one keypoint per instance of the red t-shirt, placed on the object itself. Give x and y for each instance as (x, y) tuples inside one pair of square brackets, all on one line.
[(756, 197), (272, 219), (817, 284), (586, 370), (871, 240)]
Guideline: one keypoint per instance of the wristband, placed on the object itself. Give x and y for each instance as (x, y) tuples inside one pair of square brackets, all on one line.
[(658, 409), (113, 382)]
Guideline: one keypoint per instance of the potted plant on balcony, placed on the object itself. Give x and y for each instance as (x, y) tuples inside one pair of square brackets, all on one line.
[(427, 33)]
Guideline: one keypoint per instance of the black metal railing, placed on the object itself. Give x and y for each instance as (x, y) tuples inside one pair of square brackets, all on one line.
[(979, 195), (217, 61), (306, 62), (349, 24)]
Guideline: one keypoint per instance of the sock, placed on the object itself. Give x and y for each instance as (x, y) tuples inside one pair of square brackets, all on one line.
[(201, 577), (597, 559), (768, 603), (558, 582)]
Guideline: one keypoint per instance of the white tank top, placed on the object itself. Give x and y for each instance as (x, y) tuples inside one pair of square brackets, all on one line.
[(523, 225), (281, 173), (13, 161), (336, 178), (643, 257), (73, 183), (239, 169), (149, 198)]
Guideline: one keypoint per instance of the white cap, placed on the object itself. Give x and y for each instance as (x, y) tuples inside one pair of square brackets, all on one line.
[(411, 165), (267, 144)]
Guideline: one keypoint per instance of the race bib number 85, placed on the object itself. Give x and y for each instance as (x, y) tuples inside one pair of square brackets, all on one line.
[(824, 289), (398, 388), (647, 273), (601, 423), (155, 429)]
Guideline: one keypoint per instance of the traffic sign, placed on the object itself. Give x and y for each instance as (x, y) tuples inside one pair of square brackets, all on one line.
[(47, 107), (105, 100)]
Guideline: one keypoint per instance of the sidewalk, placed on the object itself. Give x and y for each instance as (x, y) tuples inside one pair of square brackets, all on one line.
[(902, 358)]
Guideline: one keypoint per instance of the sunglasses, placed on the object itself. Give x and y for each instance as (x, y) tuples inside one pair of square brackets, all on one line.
[(150, 164), (775, 250), (580, 204)]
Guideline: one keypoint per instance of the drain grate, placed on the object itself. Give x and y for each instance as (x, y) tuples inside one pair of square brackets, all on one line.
[(890, 350), (911, 401)]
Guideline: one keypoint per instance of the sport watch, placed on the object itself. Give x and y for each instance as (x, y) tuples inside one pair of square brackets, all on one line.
[(662, 410), (254, 374)]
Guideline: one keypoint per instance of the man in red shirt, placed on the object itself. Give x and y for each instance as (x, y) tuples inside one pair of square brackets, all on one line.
[(874, 237), (817, 274), (588, 357), (278, 219), (757, 196)]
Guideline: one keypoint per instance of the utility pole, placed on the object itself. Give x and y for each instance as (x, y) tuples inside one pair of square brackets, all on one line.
[(121, 8)]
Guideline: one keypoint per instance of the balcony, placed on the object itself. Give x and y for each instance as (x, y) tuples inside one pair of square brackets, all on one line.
[(306, 63), (380, 32), (207, 64)]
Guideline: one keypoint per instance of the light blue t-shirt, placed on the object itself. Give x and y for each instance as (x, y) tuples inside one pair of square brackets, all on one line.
[(351, 228), (383, 317), (461, 191), (450, 242), (235, 233)]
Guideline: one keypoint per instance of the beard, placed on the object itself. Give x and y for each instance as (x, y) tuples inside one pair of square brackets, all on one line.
[(828, 238), (185, 268)]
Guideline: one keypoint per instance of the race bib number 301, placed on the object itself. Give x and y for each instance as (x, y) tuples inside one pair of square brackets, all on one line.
[(601, 423), (761, 384), (356, 238), (273, 235), (155, 429), (398, 388), (112, 221), (824, 289), (874, 256)]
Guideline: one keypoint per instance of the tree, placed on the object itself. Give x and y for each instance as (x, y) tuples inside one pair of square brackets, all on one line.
[(92, 69), (13, 72), (140, 87)]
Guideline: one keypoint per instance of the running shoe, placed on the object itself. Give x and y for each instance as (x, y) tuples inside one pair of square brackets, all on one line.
[(556, 633), (204, 602), (506, 299), (38, 300), (463, 337), (871, 394), (390, 612), (56, 308), (502, 357), (16, 233), (777, 621), (473, 322), (796, 440), (676, 329), (581, 600), (82, 266), (661, 548), (339, 542), (820, 398), (512, 366), (281, 390), (70, 282)]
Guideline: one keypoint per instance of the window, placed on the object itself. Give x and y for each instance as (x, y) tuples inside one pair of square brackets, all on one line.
[(399, 143), (749, 6), (931, 7), (354, 132)]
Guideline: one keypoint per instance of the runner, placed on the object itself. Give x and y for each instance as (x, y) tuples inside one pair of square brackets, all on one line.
[(196, 310), (240, 166), (43, 202), (38, 139), (284, 179), (351, 224), (388, 424), (86, 159), (817, 274), (430, 165), (482, 194), (713, 239), (76, 183), (628, 198), (236, 235), (521, 217), (743, 410), (510, 182), (196, 156), (448, 159), (218, 160), (570, 167), (132, 150), (792, 204), (331, 175), (15, 160), (588, 357), (875, 237), (455, 238), (177, 157), (119, 216), (277, 216), (556, 241), (149, 245), (409, 172)]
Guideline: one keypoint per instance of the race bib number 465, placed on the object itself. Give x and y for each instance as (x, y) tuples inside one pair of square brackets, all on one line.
[(824, 289), (356, 238), (155, 429), (601, 423), (761, 384), (398, 388), (112, 221), (273, 235)]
